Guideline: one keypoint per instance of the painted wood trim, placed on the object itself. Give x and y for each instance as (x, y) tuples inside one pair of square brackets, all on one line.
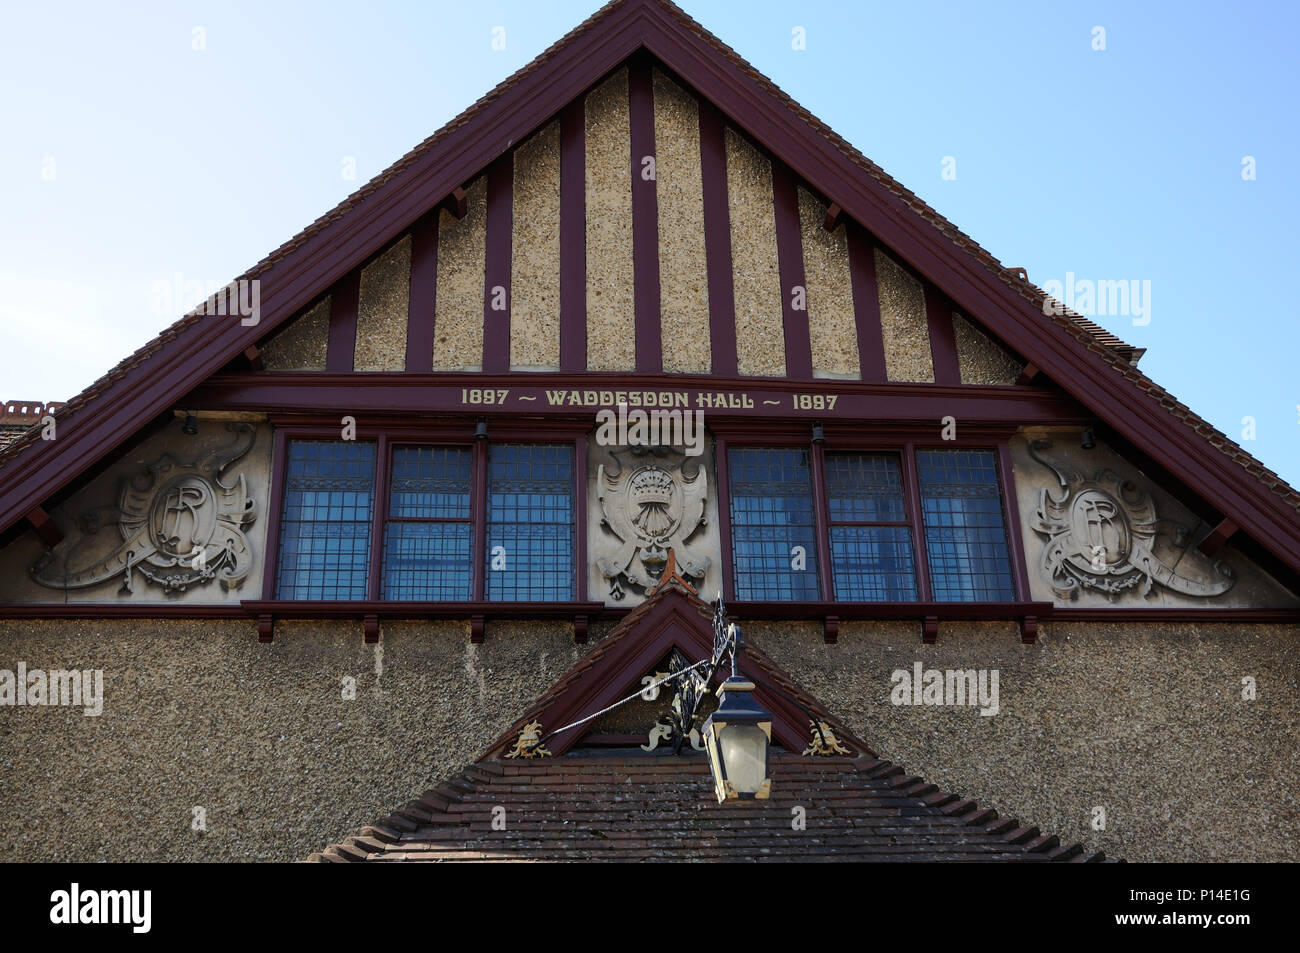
[(344, 301), (789, 253), (717, 242), (497, 256), (943, 339), (573, 237), (866, 304), (422, 301), (645, 219)]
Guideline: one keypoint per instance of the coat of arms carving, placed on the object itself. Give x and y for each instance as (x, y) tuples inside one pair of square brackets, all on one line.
[(1102, 533), (651, 504), (180, 525)]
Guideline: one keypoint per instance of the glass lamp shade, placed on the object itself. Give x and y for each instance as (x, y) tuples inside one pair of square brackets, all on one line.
[(737, 736)]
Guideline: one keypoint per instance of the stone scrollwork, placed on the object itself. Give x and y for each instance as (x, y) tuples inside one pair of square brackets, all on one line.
[(180, 526), (1101, 533), (652, 505)]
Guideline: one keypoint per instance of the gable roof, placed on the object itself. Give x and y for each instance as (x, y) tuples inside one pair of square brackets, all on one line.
[(660, 806), (1087, 362), (599, 808), (672, 616)]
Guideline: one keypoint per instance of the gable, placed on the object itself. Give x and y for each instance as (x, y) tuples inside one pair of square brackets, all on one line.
[(737, 103)]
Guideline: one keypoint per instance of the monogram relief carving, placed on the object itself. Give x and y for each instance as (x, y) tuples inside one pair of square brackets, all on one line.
[(1102, 533), (180, 525), (651, 504)]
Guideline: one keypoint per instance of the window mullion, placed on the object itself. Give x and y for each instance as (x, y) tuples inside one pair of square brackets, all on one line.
[(478, 500), (381, 500), (913, 490), (821, 506)]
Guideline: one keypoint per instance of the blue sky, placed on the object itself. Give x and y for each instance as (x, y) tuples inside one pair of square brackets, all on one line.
[(131, 156)]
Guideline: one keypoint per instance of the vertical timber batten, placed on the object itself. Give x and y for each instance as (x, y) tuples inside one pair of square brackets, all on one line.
[(866, 304), (943, 339), (794, 289), (645, 217), (344, 300), (573, 237), (421, 307), (717, 241), (496, 277)]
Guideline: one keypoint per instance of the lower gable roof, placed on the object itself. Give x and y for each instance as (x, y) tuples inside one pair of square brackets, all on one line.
[(640, 808)]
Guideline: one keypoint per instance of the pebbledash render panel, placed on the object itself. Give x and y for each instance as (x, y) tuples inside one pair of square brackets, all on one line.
[(510, 418)]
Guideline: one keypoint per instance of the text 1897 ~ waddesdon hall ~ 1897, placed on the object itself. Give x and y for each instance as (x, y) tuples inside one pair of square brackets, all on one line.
[(354, 575)]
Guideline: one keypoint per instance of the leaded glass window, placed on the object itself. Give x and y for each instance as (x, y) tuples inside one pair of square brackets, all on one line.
[(530, 523), (965, 530), (429, 533), (871, 541), (773, 525), (325, 524)]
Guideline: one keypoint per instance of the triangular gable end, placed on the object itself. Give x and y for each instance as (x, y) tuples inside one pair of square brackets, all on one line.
[(1091, 368), (673, 617)]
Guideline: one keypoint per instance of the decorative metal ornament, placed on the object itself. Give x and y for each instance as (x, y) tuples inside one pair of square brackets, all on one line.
[(1101, 534), (652, 505), (665, 730), (180, 526), (824, 743), (528, 744)]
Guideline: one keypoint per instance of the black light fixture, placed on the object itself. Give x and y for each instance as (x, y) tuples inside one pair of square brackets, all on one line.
[(738, 734), (191, 426), (1086, 440), (480, 430), (819, 435)]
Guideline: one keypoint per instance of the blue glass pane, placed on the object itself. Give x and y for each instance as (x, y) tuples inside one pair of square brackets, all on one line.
[(965, 532), (530, 523), (873, 564), (773, 529), (864, 488), (325, 523), (427, 562), (430, 482)]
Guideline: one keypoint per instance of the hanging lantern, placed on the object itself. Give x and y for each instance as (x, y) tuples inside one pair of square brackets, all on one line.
[(737, 736)]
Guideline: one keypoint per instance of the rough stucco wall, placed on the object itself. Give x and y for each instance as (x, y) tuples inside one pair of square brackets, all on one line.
[(462, 256), (381, 311), (981, 359), (535, 254), (302, 344), (198, 713), (683, 272), (831, 325), (611, 319), (760, 326), (902, 323), (1147, 721)]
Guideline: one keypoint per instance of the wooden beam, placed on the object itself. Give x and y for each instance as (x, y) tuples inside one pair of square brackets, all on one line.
[(789, 254), (343, 322), (1218, 536), (866, 305), (645, 219), (930, 629), (370, 625), (834, 215), (457, 203), (496, 277), (1028, 374), (45, 527), (573, 237), (943, 342), (422, 298), (254, 356), (717, 241)]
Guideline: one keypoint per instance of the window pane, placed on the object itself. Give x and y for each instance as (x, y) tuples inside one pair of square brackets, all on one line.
[(864, 488), (427, 562), (965, 534), (873, 564), (325, 524), (430, 482), (771, 514), (530, 517)]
